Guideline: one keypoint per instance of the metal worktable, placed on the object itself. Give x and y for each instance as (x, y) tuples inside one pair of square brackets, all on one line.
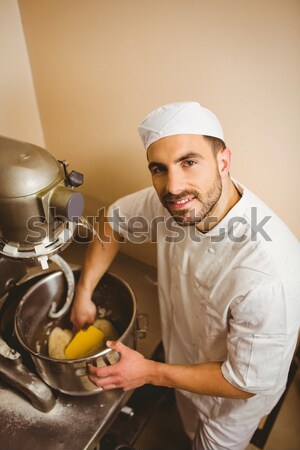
[(78, 423)]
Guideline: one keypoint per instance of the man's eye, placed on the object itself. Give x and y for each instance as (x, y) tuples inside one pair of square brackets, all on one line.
[(156, 170), (189, 163)]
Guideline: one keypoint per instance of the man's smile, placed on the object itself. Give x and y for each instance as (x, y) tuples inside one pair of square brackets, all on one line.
[(180, 203)]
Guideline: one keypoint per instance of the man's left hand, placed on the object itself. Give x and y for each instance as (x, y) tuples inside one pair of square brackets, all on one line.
[(130, 372)]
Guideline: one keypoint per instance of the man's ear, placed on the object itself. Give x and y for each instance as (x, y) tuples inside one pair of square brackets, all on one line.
[(224, 161)]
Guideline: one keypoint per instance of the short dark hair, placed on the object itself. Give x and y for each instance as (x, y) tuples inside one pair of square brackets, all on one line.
[(216, 144)]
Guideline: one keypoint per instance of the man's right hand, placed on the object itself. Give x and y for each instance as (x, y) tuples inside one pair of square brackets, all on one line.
[(83, 311), (99, 256)]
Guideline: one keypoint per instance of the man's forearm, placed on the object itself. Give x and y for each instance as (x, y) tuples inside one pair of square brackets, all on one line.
[(99, 256), (205, 379), (134, 370)]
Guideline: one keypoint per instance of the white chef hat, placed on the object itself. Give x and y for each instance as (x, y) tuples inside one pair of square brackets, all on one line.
[(179, 118)]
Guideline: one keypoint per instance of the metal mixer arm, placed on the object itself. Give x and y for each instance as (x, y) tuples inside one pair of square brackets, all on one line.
[(17, 375), (68, 272)]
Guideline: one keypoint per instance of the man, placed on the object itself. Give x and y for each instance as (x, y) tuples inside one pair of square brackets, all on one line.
[(228, 282)]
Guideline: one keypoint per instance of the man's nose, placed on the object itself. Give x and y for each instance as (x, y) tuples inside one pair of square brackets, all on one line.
[(175, 182)]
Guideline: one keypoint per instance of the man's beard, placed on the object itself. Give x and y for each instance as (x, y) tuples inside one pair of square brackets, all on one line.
[(207, 202)]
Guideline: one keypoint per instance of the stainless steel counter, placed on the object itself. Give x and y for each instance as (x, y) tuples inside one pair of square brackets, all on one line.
[(77, 423)]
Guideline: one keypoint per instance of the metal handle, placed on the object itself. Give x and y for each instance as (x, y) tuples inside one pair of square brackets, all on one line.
[(107, 359)]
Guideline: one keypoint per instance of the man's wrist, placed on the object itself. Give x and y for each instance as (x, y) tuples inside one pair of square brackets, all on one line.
[(155, 372), (84, 290)]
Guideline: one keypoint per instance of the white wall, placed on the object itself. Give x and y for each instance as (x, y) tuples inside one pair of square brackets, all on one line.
[(99, 66), (19, 116)]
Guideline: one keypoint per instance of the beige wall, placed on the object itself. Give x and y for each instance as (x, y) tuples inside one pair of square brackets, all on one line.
[(99, 66), (19, 117)]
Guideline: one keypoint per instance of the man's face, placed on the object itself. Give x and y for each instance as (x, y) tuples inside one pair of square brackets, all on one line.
[(186, 176)]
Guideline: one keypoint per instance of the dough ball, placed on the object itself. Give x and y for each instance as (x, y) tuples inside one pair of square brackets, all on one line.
[(57, 342), (108, 329)]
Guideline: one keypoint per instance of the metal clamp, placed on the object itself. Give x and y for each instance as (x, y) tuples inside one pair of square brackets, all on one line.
[(142, 325)]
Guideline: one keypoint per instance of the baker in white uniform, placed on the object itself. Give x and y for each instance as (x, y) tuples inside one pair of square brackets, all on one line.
[(228, 277)]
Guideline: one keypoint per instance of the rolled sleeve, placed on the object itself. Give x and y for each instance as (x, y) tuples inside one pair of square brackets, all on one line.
[(257, 341), (133, 216)]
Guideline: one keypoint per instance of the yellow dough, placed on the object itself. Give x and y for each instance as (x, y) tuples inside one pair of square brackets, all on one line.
[(57, 342)]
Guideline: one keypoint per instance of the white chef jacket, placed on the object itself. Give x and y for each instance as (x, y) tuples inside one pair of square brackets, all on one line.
[(231, 294)]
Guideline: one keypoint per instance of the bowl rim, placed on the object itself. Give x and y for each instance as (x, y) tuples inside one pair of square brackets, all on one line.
[(89, 358)]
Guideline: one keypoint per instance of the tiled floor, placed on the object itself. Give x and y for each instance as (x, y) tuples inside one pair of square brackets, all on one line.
[(164, 431)]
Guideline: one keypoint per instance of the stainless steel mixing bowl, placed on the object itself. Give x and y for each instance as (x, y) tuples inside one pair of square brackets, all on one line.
[(117, 303)]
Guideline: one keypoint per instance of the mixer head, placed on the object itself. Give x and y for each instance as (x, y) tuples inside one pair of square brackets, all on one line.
[(39, 207)]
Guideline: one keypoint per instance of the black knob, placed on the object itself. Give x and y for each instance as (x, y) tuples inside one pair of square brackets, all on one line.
[(75, 178)]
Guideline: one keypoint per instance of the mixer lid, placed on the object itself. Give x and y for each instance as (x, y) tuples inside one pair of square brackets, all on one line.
[(25, 168)]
